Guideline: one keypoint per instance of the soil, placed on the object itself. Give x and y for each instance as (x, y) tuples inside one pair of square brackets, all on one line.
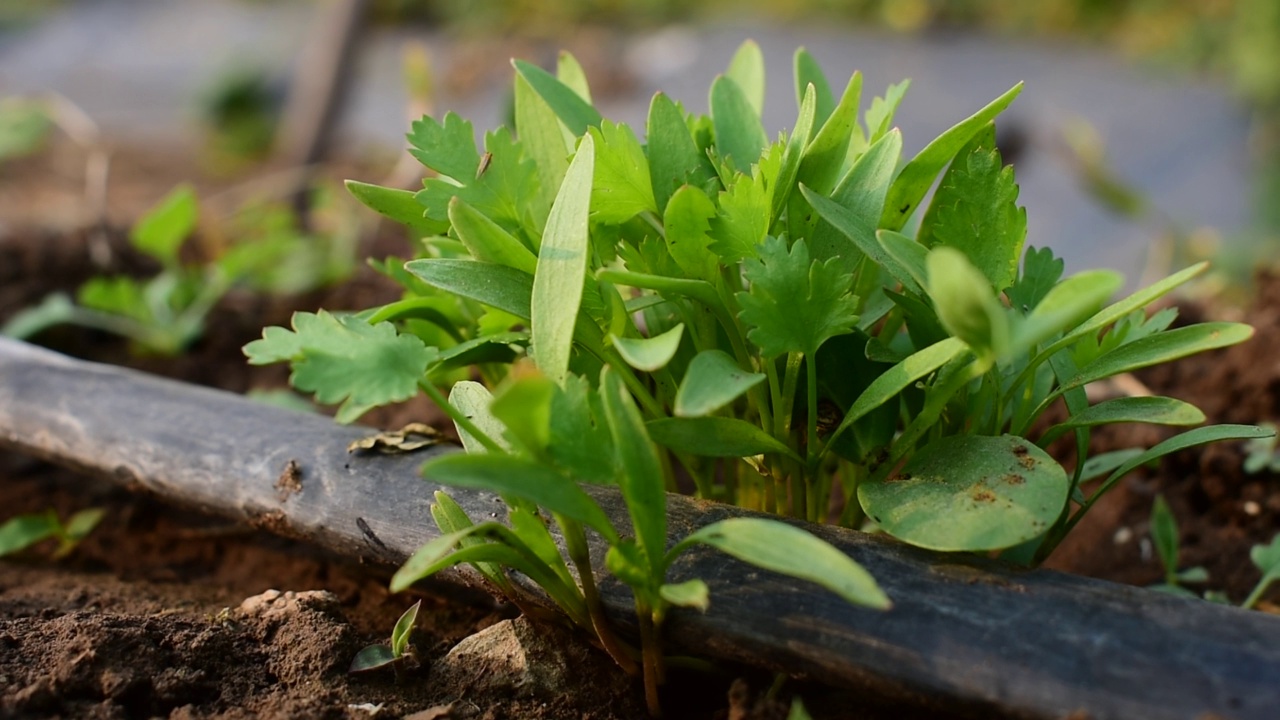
[(165, 613)]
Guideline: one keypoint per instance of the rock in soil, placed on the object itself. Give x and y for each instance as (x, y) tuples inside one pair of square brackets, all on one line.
[(538, 663)]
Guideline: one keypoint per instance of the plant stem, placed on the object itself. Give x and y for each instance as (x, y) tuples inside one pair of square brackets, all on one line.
[(651, 652), (576, 543)]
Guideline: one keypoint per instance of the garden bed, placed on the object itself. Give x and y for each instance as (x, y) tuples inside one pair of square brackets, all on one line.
[(152, 576)]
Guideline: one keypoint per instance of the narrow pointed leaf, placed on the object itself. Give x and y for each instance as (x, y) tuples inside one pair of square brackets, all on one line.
[(640, 471), (1182, 441), (739, 134), (747, 70), (712, 380), (398, 205), (510, 475), (562, 266), (473, 400), (969, 493), (791, 157), (569, 71), (691, 594), (1161, 348), (824, 158), (487, 240), (807, 72), (1154, 410), (965, 303), (911, 185), (908, 254), (673, 155), (1065, 305), (499, 286), (715, 437), (576, 113), (404, 626), (544, 141), (788, 550)]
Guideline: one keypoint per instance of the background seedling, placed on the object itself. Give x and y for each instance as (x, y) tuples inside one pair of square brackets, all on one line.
[(377, 656), (23, 531)]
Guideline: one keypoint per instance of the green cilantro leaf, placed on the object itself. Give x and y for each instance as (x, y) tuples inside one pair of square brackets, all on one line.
[(504, 186), (345, 359), (1040, 272), (622, 188), (743, 219), (975, 210), (795, 305)]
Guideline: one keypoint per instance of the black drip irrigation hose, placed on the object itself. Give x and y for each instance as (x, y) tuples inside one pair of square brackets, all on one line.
[(965, 634)]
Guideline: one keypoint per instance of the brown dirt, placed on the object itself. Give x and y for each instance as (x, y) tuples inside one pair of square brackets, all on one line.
[(145, 619)]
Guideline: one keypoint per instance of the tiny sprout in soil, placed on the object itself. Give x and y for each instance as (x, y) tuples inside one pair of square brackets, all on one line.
[(377, 656), (784, 325)]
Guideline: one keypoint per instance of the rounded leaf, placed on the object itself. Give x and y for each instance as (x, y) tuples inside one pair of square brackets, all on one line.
[(970, 493)]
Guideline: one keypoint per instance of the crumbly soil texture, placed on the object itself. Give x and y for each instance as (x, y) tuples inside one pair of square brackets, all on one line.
[(165, 613)]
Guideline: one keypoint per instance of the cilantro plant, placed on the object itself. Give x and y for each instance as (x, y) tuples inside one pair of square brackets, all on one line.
[(1165, 536), (786, 325), (165, 313)]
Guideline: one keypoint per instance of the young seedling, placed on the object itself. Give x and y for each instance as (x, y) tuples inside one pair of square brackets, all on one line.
[(165, 313), (23, 531), (378, 656), (1165, 537), (1267, 559)]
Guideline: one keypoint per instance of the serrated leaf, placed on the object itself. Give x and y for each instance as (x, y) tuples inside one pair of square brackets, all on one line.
[(863, 236), (639, 471), (503, 185), (740, 137), (1040, 273), (781, 548), (576, 113), (747, 70), (622, 187), (688, 221), (969, 493), (714, 436), (447, 147), (562, 267), (164, 227), (488, 241), (743, 220), (398, 205), (712, 380), (346, 360), (673, 156), (650, 354), (806, 71), (525, 479), (793, 304), (580, 441), (1155, 410), (879, 117), (975, 211), (913, 183), (965, 304)]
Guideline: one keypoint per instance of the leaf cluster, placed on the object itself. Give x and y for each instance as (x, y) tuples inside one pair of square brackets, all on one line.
[(164, 313), (787, 324)]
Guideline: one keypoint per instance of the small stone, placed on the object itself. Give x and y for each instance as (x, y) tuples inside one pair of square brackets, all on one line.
[(1252, 508), (530, 661)]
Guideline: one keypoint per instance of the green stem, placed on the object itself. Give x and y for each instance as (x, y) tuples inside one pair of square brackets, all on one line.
[(651, 654), (576, 543)]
